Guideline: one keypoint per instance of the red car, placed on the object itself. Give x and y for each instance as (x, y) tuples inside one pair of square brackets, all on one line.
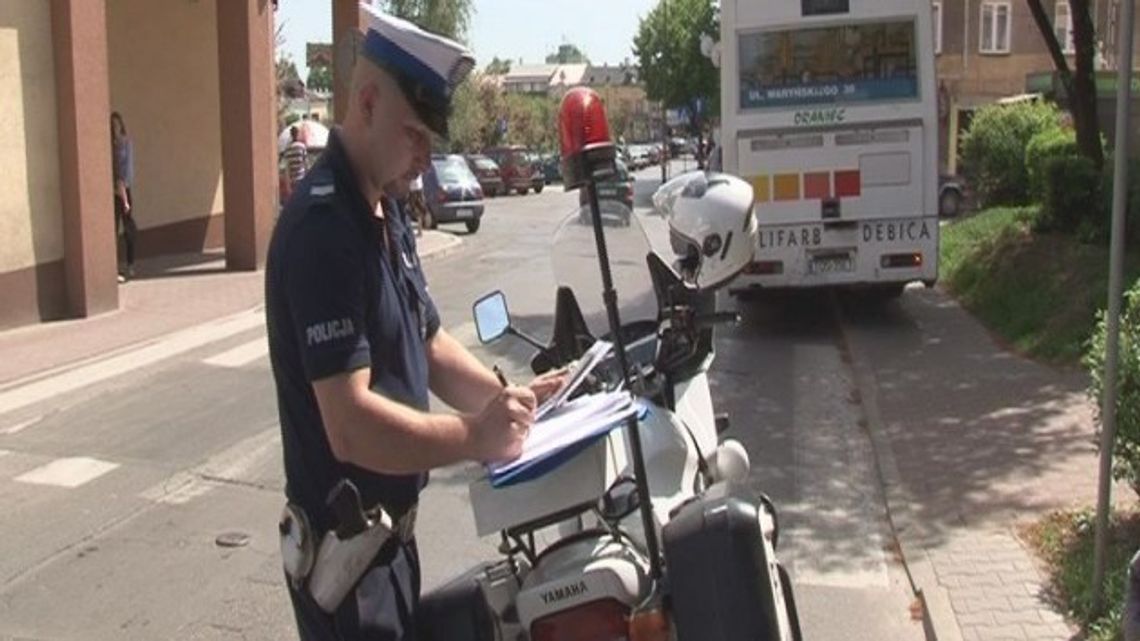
[(515, 167), (488, 174)]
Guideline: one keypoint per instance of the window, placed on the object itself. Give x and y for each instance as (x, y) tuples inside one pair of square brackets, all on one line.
[(1063, 27), (936, 8), (452, 169), (844, 64), (995, 26)]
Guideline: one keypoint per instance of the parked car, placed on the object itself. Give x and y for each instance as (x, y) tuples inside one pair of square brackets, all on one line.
[(517, 170), (639, 156), (678, 146), (614, 189), (487, 173), (452, 193), (552, 168), (538, 178)]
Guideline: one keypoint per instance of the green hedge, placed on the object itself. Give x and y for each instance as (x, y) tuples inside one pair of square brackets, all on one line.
[(1046, 145), (1132, 215), (1126, 458), (1071, 199), (993, 150)]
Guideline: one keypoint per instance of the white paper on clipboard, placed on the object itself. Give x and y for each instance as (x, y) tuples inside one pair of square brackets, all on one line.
[(578, 373)]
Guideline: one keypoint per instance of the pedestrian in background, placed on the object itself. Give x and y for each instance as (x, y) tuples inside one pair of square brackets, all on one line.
[(296, 157), (417, 204), (123, 173)]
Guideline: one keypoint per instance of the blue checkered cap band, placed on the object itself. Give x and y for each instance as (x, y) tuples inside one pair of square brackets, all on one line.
[(433, 62)]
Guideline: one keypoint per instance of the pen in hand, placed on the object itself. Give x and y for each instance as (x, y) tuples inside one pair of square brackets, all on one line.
[(501, 377)]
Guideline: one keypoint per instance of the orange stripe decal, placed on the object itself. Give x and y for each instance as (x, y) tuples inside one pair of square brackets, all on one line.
[(787, 186), (761, 188), (817, 186)]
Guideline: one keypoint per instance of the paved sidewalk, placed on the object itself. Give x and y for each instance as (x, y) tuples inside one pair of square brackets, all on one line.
[(973, 442), (995, 588), (167, 294)]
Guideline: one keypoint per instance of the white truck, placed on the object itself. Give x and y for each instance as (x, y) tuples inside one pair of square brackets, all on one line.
[(829, 109)]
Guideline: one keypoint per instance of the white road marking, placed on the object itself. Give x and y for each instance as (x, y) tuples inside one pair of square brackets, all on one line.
[(241, 355), (20, 396), (18, 427), (228, 465), (68, 472)]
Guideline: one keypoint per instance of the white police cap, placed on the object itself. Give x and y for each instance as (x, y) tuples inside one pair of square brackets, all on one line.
[(428, 67)]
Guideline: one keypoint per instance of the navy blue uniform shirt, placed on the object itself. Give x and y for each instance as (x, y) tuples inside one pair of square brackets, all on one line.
[(338, 300)]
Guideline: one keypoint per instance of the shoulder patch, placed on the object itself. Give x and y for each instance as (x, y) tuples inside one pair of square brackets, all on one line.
[(322, 190)]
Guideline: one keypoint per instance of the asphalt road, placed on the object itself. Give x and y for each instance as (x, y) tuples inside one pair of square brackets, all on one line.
[(115, 493)]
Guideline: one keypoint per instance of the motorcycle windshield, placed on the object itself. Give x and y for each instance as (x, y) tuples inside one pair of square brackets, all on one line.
[(576, 265)]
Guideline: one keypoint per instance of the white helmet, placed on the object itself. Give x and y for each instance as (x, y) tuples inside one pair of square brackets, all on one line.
[(712, 229)]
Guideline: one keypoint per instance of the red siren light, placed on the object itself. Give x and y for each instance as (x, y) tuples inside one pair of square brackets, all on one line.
[(584, 133)]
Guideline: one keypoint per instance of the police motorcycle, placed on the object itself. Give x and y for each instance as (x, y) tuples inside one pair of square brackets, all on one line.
[(650, 533)]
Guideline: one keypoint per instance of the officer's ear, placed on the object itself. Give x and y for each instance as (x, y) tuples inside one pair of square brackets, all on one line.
[(367, 97)]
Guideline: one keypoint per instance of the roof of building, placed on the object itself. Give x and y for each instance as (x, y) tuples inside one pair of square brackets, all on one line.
[(610, 75), (568, 75), (529, 73)]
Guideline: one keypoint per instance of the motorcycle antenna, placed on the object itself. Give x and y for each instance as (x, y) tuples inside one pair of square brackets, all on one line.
[(588, 153)]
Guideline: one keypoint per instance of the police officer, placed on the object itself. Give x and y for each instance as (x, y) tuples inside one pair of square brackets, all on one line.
[(356, 343)]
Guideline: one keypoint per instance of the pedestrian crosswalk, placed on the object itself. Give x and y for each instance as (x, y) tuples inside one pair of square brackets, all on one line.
[(68, 472), (20, 426), (242, 355), (248, 462), (230, 465), (19, 395)]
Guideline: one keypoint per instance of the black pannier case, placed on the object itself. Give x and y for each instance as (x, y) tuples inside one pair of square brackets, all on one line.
[(723, 583)]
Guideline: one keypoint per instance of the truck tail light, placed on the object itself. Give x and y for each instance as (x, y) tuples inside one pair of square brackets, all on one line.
[(890, 261), (605, 620)]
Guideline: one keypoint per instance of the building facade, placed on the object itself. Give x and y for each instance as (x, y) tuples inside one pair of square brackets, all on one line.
[(194, 82), (628, 107), (627, 104), (988, 49)]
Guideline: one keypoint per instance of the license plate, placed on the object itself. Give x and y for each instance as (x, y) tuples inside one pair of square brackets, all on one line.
[(832, 264), (464, 213)]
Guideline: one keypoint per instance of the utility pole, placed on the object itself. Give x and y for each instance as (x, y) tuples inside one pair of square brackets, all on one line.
[(1115, 286)]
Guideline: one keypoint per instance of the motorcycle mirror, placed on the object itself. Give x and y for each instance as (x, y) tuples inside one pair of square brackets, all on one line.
[(492, 319)]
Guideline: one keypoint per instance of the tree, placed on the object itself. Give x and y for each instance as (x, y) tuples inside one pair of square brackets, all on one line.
[(498, 67), (567, 54), (621, 119), (668, 49), (468, 119), (1079, 83), (450, 18), (320, 79), (288, 81)]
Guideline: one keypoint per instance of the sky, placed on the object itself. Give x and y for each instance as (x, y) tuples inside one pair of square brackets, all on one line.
[(527, 29)]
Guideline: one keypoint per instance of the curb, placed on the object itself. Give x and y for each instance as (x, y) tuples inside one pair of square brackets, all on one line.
[(938, 619), (449, 245)]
